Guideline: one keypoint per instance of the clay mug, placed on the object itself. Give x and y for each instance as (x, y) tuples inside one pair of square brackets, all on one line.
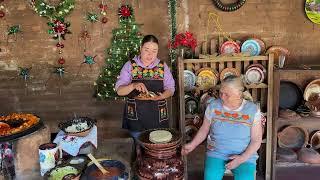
[(48, 156)]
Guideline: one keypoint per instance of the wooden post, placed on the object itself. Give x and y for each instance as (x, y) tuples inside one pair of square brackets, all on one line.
[(269, 120)]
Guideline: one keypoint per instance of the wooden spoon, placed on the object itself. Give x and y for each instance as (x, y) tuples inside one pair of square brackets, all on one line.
[(95, 161)]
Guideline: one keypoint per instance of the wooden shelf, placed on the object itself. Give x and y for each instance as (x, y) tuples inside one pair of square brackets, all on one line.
[(257, 86), (220, 59), (301, 78), (295, 164), (310, 123), (262, 93)]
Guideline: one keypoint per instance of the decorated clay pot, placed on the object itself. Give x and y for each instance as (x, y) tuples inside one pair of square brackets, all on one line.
[(161, 160)]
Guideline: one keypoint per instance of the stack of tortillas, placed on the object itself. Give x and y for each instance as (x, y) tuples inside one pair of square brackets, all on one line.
[(160, 136)]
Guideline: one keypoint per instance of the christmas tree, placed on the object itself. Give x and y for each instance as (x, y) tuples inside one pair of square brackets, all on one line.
[(124, 46)]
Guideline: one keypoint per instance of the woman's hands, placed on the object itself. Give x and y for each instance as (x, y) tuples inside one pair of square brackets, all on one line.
[(236, 160), (140, 87), (186, 149)]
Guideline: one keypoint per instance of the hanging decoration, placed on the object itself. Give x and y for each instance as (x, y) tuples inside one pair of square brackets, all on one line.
[(92, 17), (56, 16), (59, 71), (87, 60), (125, 45), (215, 18), (13, 31), (185, 42), (2, 12), (58, 27), (229, 7), (103, 11), (24, 72), (84, 38), (125, 12), (173, 28)]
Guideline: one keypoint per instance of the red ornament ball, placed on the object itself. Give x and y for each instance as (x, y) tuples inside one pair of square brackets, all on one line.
[(101, 6), (61, 60), (58, 45), (2, 14), (62, 46), (104, 20)]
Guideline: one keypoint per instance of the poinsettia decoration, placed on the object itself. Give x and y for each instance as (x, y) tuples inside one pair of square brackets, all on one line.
[(125, 11), (59, 28), (184, 40)]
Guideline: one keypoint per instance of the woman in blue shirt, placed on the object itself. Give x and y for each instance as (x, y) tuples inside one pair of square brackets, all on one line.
[(232, 126)]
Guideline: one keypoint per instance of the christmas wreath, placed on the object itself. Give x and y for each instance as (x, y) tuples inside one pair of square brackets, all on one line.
[(52, 12), (229, 7)]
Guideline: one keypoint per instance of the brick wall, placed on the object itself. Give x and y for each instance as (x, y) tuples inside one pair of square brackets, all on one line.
[(34, 48), (276, 22)]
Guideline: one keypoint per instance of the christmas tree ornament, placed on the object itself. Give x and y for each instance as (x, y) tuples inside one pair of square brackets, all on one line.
[(61, 61), (24, 72), (125, 45), (13, 31), (89, 59), (92, 17), (104, 20), (103, 11), (59, 70), (84, 39), (2, 11)]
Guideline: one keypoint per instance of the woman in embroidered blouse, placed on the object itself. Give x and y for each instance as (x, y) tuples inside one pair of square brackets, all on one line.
[(142, 74), (232, 126)]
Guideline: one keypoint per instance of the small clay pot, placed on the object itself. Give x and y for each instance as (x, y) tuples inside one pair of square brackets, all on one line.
[(315, 139), (287, 155), (293, 137), (309, 155)]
